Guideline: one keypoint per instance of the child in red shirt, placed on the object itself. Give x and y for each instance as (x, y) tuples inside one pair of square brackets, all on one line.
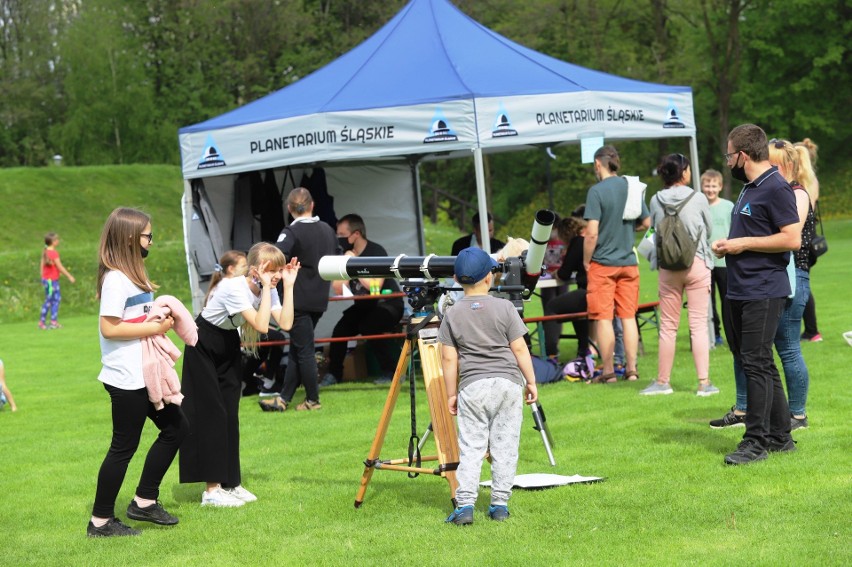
[(51, 267)]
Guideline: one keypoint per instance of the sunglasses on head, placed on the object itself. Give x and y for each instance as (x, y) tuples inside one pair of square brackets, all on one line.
[(779, 144)]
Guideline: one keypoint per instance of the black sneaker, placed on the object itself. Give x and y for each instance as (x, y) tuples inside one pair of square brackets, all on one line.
[(154, 513), (113, 528), (787, 447), (796, 423), (730, 419), (748, 451)]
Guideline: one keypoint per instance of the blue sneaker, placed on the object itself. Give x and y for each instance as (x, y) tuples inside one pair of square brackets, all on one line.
[(719, 341), (498, 513), (461, 516)]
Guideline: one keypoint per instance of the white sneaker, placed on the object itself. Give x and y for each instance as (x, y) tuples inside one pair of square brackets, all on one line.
[(241, 493), (220, 497)]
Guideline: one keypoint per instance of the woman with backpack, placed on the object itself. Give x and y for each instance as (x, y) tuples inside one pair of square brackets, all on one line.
[(681, 218)]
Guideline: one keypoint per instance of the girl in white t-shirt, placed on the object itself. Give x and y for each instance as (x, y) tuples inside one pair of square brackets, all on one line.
[(126, 296), (211, 371)]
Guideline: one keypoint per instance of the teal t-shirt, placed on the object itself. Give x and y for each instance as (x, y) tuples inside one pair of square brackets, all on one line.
[(616, 237), (720, 213)]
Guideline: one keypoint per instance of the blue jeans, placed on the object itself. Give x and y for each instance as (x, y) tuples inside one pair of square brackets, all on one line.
[(789, 347)]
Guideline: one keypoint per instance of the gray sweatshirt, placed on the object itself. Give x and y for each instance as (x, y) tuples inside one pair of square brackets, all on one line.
[(695, 216)]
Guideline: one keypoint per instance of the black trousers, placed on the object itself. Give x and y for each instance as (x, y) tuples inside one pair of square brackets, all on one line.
[(130, 408), (212, 389), (571, 302), (719, 281), (810, 317), (753, 328), (302, 360), (373, 321)]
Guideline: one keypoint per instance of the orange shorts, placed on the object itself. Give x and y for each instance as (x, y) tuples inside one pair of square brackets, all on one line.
[(612, 289)]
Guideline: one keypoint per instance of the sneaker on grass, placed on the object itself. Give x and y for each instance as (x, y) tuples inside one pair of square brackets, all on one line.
[(657, 389), (788, 447), (798, 423), (748, 451), (498, 513), (461, 516), (154, 513), (113, 528), (241, 493), (707, 389), (220, 498), (730, 419)]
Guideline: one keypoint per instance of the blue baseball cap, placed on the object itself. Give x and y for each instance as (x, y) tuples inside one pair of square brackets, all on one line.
[(472, 265)]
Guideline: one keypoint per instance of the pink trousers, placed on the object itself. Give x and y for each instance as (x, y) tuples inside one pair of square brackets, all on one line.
[(696, 283)]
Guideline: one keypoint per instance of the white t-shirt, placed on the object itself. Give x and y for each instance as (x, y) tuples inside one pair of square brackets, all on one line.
[(229, 299), (122, 359)]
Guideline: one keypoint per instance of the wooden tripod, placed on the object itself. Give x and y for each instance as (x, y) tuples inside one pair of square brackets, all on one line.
[(443, 426)]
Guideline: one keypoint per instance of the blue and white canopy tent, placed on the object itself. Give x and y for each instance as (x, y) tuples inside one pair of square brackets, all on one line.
[(431, 84)]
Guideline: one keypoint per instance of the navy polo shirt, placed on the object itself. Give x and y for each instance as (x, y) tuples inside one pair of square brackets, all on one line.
[(763, 207)]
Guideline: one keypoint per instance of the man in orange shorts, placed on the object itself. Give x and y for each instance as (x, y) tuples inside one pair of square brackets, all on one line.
[(610, 262)]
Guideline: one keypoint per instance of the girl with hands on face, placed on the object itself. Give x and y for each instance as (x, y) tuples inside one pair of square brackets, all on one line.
[(238, 311)]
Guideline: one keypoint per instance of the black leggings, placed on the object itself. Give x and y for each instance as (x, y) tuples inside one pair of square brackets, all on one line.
[(129, 410)]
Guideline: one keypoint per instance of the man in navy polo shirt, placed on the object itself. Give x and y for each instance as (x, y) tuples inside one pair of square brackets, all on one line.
[(764, 229)]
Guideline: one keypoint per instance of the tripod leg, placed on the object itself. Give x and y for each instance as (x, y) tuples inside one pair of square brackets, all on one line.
[(443, 426), (384, 422)]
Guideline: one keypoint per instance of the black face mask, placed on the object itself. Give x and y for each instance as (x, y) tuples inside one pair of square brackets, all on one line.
[(738, 172), (144, 252), (344, 244)]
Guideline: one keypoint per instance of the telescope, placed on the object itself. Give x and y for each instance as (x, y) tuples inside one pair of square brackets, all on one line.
[(524, 270)]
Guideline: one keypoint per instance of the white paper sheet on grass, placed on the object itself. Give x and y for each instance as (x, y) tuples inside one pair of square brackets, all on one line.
[(546, 480)]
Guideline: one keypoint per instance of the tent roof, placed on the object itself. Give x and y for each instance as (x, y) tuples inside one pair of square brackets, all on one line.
[(429, 52)]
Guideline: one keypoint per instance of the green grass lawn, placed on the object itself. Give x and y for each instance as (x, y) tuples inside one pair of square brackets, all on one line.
[(667, 497)]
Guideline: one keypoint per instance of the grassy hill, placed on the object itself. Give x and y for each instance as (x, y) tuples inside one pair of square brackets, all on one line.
[(75, 202)]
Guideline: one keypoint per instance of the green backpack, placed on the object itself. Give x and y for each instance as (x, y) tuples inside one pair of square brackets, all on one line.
[(675, 247)]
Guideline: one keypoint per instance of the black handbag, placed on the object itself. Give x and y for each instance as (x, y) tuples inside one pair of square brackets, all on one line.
[(819, 245)]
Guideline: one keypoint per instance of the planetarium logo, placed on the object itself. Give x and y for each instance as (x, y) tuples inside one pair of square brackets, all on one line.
[(440, 130), (210, 157), (502, 126), (672, 119)]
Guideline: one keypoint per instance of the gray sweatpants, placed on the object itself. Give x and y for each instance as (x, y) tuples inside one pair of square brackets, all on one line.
[(489, 419)]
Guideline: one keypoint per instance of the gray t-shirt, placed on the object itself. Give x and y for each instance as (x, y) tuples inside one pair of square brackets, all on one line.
[(481, 327), (616, 237)]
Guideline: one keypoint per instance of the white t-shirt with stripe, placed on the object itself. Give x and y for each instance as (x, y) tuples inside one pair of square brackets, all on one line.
[(122, 359)]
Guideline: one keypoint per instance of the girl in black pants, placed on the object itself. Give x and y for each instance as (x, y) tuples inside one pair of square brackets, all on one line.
[(211, 371), (126, 295)]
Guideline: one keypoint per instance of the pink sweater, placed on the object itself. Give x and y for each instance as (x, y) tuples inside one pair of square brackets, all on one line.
[(159, 353)]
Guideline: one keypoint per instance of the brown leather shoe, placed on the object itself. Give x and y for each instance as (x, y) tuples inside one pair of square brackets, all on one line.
[(308, 405)]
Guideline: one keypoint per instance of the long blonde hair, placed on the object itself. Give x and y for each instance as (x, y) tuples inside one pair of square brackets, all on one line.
[(121, 250), (257, 255), (795, 162)]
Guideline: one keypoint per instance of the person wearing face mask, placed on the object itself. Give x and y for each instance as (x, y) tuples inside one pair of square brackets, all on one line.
[(211, 371), (309, 239), (364, 317), (765, 227)]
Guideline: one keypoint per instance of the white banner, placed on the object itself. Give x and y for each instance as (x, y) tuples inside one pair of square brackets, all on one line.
[(362, 134)]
